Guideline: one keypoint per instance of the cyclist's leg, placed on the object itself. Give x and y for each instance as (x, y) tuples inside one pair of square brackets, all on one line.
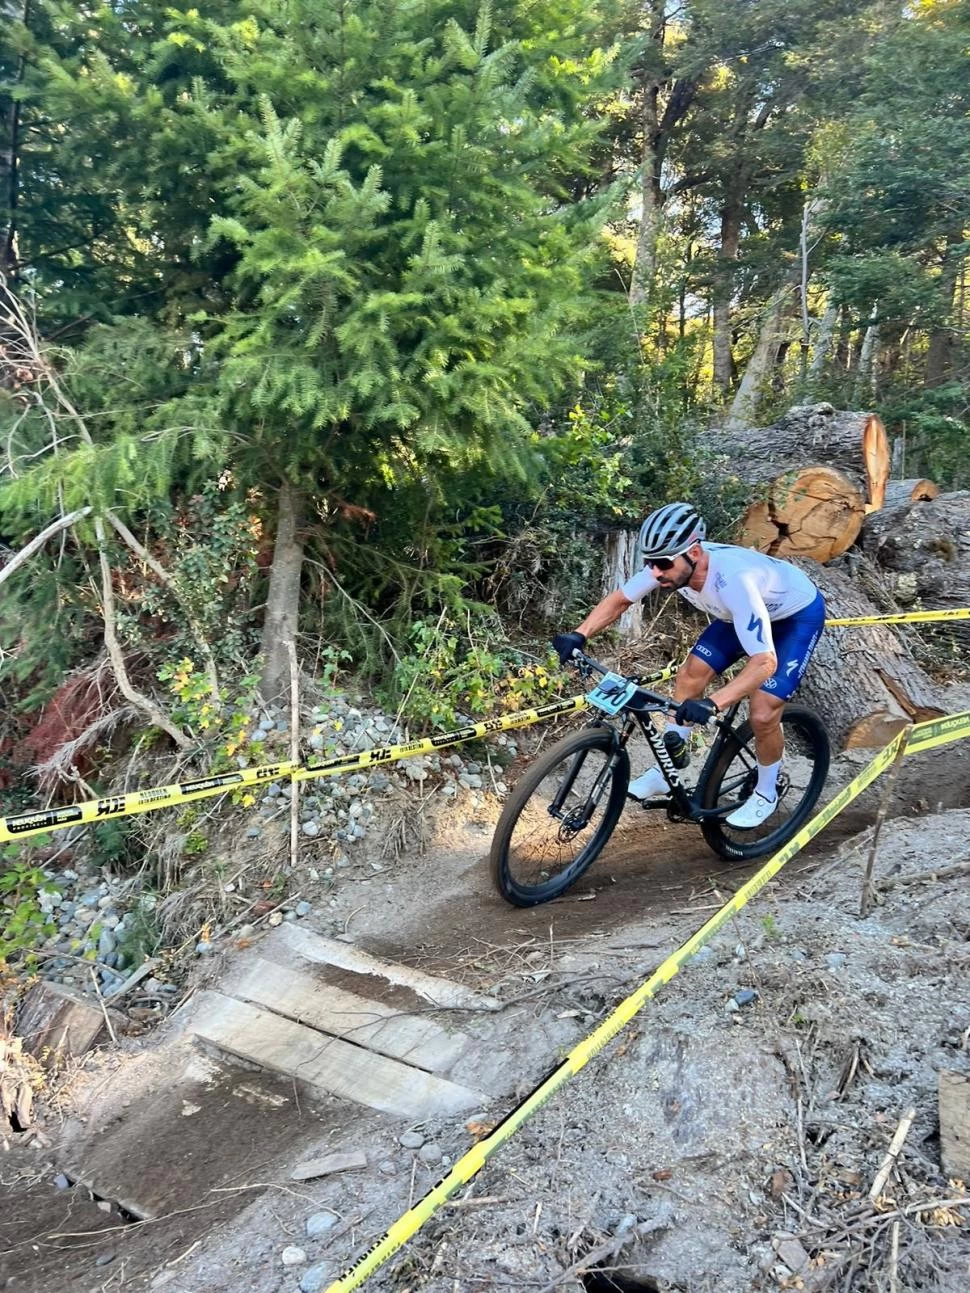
[(795, 639), (715, 650)]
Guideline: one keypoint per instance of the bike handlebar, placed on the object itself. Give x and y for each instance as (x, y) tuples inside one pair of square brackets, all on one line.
[(588, 663)]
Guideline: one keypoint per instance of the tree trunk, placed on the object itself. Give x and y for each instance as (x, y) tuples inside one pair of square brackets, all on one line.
[(924, 549), (941, 338), (823, 341), (723, 294), (866, 375), (10, 11), (619, 563), (772, 331), (283, 601), (863, 681), (651, 205)]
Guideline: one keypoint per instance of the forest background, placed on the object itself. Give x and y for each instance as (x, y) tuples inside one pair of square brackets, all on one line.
[(357, 325)]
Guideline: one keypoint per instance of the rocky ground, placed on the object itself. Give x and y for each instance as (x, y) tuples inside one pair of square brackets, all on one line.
[(727, 1140)]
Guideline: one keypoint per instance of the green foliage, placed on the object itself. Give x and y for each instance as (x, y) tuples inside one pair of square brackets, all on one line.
[(223, 722), (113, 844), (447, 674), (24, 922)]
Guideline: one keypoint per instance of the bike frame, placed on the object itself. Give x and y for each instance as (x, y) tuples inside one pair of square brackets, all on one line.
[(682, 804)]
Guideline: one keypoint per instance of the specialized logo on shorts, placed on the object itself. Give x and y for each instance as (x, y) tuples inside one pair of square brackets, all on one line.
[(791, 666), (754, 626)]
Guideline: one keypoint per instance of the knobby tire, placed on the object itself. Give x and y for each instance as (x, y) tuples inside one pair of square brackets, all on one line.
[(509, 851), (805, 730)]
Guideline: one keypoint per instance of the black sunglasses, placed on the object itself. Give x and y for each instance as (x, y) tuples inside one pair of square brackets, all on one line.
[(661, 563)]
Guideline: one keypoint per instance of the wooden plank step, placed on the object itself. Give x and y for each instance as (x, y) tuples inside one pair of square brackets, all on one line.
[(326, 1063), (378, 1027), (290, 940)]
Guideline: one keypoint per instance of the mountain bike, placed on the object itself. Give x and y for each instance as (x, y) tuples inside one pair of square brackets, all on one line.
[(564, 809)]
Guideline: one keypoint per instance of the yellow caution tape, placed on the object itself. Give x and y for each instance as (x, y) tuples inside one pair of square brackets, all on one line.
[(922, 736), (911, 617), (938, 731), (430, 744), (18, 825)]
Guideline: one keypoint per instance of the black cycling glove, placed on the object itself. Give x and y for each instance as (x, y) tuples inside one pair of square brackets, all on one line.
[(696, 711), (564, 644)]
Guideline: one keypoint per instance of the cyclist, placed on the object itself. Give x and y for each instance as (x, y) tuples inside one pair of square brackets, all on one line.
[(763, 608)]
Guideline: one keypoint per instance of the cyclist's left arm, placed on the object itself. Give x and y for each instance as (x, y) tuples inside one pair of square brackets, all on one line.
[(749, 615)]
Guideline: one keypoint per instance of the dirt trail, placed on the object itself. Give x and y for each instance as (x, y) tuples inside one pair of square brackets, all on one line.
[(678, 1125)]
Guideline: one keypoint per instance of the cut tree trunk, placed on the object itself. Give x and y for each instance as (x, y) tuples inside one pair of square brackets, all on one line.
[(814, 470), (863, 681), (619, 564), (916, 490), (809, 512), (924, 550), (283, 600)]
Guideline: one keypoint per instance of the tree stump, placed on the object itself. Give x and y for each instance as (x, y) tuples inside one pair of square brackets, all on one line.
[(863, 681), (923, 548)]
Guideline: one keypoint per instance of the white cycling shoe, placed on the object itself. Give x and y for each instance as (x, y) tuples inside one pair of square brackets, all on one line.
[(752, 812), (648, 785)]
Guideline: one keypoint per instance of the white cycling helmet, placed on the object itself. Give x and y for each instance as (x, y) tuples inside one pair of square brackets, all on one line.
[(670, 531)]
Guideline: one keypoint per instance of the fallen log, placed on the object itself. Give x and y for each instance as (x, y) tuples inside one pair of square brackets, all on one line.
[(813, 475), (923, 551), (917, 490), (811, 512), (863, 681)]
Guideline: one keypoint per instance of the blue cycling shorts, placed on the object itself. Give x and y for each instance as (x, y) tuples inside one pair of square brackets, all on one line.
[(795, 639)]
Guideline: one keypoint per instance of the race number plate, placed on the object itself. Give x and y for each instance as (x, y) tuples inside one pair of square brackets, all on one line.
[(611, 693)]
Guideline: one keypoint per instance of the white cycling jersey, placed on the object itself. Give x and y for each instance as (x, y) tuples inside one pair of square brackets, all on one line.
[(744, 587)]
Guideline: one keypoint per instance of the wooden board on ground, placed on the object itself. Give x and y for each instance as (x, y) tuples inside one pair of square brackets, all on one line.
[(328, 1064), (290, 941), (955, 1124), (381, 1028)]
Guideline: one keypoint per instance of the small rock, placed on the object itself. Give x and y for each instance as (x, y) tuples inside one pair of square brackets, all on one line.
[(703, 954), (104, 1260), (273, 790), (275, 918), (411, 1140), (835, 960), (292, 1256), (387, 1167), (311, 829), (745, 996), (731, 1007), (106, 944), (321, 1223), (61, 1182), (430, 1153), (253, 833), (303, 908), (315, 1278), (203, 947)]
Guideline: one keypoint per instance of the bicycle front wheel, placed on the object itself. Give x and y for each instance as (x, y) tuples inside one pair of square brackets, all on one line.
[(735, 773), (559, 816)]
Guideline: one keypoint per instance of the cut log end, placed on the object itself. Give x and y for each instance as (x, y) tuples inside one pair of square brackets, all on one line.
[(811, 512)]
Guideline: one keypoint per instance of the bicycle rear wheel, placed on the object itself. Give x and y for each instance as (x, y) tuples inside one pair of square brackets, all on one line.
[(559, 816), (732, 779)]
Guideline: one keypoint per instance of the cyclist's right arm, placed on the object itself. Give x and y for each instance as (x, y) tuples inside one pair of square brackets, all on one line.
[(607, 612)]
